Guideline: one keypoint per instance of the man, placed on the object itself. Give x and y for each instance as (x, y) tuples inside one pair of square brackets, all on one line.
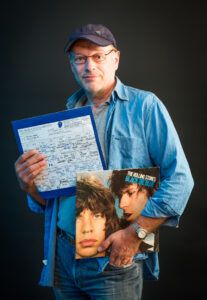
[(133, 190), (96, 216), (134, 187), (135, 130)]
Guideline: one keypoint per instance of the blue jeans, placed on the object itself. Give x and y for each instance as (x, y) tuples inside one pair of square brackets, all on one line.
[(80, 279)]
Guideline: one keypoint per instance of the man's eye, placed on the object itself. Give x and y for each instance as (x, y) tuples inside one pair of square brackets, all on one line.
[(98, 57), (79, 59), (130, 193), (96, 216)]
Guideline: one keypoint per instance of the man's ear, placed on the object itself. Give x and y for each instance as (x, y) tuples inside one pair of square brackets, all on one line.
[(117, 58), (145, 192), (71, 65)]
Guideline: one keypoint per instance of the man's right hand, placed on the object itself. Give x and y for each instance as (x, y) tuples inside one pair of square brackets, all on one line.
[(27, 167)]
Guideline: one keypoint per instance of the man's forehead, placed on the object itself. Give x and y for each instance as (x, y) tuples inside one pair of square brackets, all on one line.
[(90, 211), (87, 45), (132, 186)]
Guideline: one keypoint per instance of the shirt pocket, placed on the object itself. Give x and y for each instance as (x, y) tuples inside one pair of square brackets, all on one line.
[(127, 152), (123, 152)]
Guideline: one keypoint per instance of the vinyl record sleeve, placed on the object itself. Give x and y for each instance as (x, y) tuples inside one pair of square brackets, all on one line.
[(111, 200)]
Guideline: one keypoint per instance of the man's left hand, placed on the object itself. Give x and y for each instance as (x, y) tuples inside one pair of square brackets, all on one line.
[(124, 245)]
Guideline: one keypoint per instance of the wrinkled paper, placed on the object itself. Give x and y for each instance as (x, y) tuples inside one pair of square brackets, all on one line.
[(69, 145)]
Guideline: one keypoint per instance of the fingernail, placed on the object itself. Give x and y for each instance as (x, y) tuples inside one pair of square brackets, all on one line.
[(100, 249)]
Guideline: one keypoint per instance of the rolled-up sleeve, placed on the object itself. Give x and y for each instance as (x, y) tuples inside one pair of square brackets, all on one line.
[(35, 206), (165, 150)]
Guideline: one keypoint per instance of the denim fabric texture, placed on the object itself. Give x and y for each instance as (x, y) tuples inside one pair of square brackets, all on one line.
[(139, 133), (80, 279)]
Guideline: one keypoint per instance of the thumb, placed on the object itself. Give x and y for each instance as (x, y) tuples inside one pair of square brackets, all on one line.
[(104, 245)]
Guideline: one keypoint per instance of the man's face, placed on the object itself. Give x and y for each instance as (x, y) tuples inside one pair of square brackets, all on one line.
[(94, 77), (132, 200), (90, 232)]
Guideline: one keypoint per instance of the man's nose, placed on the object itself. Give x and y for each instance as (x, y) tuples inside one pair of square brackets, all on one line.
[(90, 64), (124, 200), (87, 225)]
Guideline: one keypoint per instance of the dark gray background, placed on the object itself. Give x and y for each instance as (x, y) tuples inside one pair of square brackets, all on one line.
[(163, 49)]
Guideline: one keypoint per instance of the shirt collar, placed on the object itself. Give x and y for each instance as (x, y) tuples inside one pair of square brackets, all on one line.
[(120, 90)]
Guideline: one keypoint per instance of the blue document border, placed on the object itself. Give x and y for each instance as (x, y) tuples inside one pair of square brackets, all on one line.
[(54, 117)]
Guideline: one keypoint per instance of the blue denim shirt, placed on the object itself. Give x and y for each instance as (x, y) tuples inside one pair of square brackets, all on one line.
[(139, 133)]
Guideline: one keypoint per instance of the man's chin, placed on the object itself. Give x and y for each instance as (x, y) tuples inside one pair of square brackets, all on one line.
[(128, 217), (91, 88), (90, 254)]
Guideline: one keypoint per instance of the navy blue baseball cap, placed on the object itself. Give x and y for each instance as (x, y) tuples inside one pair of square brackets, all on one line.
[(95, 33)]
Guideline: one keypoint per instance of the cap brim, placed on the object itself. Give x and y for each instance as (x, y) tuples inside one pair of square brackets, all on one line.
[(91, 38)]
